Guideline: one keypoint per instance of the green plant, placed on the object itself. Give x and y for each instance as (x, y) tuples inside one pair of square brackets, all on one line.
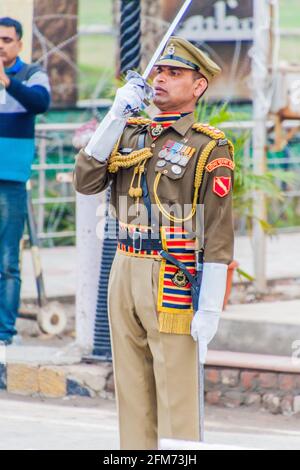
[(246, 182)]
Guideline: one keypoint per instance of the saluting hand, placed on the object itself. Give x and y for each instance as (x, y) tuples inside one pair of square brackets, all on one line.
[(129, 98), (4, 79)]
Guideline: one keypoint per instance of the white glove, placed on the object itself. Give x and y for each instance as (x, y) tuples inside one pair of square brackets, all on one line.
[(204, 327), (206, 320), (128, 99)]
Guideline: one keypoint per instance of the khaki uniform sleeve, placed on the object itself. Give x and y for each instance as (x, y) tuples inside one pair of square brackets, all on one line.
[(90, 176), (218, 211)]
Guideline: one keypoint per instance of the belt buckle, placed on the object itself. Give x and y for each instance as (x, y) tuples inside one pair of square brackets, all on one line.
[(137, 236)]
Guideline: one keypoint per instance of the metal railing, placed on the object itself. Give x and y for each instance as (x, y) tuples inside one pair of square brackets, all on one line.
[(52, 136)]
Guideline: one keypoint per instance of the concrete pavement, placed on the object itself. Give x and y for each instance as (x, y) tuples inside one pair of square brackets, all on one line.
[(92, 425)]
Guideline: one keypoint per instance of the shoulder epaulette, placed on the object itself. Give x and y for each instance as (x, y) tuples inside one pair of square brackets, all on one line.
[(138, 121), (208, 130)]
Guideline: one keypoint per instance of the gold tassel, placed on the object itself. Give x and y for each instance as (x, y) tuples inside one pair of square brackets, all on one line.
[(131, 191), (118, 161), (174, 323), (137, 192)]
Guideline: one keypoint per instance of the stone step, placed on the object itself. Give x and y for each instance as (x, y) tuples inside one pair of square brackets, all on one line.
[(271, 328)]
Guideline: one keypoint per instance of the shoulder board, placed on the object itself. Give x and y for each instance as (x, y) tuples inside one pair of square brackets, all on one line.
[(208, 130), (138, 121)]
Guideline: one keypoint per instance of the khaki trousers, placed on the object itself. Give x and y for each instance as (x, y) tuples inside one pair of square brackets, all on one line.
[(156, 374)]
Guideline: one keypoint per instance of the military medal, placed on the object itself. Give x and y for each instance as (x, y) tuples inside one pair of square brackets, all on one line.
[(177, 147), (176, 158), (176, 153), (163, 153), (161, 163), (186, 155), (184, 161), (172, 150), (176, 170), (166, 150)]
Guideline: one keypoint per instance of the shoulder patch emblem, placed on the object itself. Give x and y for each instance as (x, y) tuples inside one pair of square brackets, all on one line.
[(222, 185), (225, 162)]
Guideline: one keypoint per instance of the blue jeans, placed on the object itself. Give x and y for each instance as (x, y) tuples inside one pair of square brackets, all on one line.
[(13, 210)]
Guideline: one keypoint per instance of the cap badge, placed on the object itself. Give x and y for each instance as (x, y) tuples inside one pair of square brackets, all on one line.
[(171, 49)]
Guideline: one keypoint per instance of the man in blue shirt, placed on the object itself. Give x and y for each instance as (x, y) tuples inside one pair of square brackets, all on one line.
[(24, 93)]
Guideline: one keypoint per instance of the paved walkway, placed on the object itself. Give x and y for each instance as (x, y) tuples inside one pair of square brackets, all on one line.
[(93, 426), (59, 264)]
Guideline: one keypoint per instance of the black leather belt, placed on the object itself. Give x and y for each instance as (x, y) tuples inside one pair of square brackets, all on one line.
[(140, 241)]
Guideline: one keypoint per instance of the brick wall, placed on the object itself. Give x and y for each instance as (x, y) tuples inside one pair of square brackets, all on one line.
[(272, 391), (277, 393)]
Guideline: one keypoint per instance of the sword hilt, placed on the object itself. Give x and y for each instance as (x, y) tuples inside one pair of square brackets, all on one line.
[(148, 89)]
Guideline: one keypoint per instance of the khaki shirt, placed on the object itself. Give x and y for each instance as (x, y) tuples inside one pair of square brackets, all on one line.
[(215, 194)]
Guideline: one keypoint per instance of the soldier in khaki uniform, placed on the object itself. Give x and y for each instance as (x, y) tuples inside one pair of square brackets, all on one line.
[(182, 168)]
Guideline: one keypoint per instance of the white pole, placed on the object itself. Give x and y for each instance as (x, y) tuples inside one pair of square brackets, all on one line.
[(42, 182), (89, 249), (261, 105)]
